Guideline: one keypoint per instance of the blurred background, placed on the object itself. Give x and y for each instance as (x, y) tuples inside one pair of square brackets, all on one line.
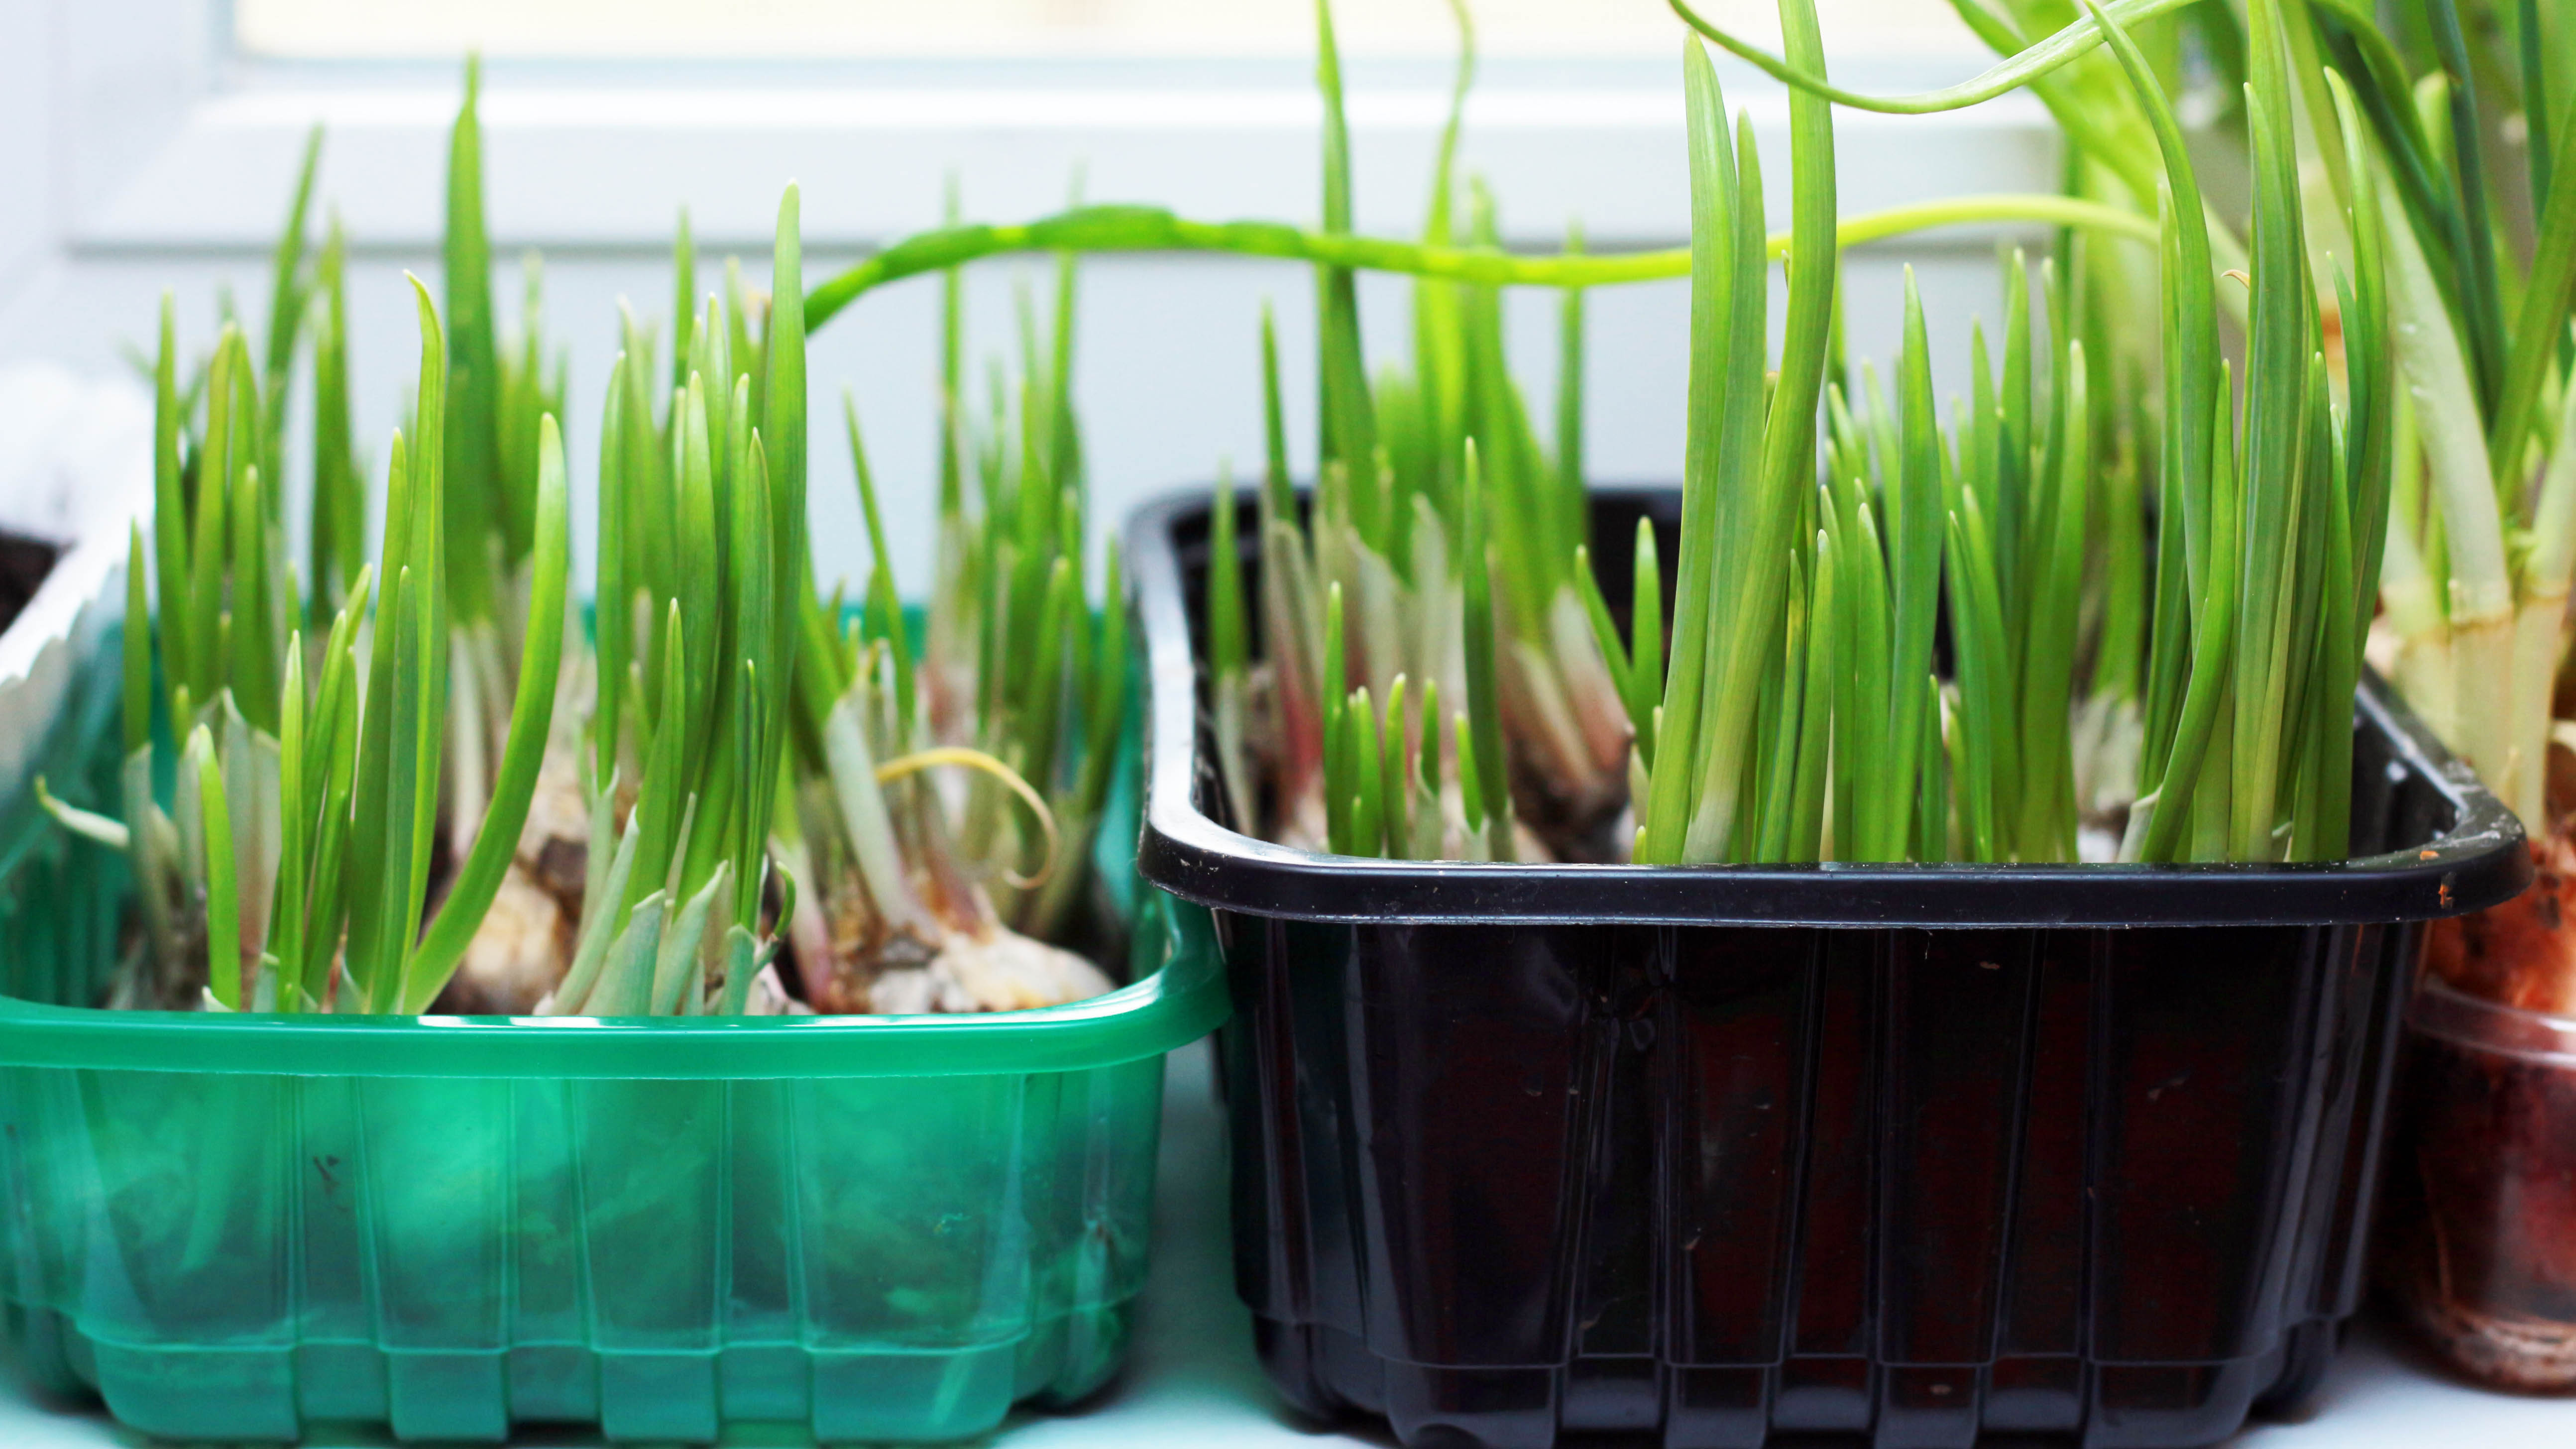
[(769, 29), (152, 144)]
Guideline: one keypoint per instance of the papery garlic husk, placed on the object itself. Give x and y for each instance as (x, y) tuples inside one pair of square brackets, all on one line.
[(998, 970), (769, 997), (518, 955), (527, 939), (2108, 733), (860, 947), (1561, 786), (974, 963)]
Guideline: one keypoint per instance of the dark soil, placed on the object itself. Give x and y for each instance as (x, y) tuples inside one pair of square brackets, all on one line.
[(24, 563)]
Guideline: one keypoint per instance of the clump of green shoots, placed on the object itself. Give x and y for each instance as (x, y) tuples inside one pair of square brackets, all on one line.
[(292, 873), (1389, 537), (503, 389), (1029, 666), (761, 718), (1991, 514), (704, 595), (1798, 712), (730, 714), (2481, 291), (2482, 278), (1021, 685), (492, 430)]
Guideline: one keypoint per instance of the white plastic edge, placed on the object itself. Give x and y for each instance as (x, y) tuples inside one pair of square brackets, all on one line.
[(75, 468)]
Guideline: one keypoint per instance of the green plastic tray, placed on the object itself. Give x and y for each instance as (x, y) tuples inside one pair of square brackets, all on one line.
[(877, 1228)]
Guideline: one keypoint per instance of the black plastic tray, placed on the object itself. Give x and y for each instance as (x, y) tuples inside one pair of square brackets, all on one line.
[(1721, 1154)]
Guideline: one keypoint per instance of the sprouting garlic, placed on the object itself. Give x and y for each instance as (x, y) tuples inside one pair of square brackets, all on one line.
[(999, 971)]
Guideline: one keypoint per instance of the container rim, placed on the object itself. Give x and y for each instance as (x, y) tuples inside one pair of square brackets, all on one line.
[(2447, 1014), (2480, 861), (1181, 1000)]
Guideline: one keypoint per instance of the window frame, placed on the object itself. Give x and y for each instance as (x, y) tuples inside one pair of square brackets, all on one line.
[(161, 137)]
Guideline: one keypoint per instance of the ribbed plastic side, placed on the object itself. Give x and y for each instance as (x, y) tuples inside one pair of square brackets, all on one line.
[(231, 1257), (1725, 1183)]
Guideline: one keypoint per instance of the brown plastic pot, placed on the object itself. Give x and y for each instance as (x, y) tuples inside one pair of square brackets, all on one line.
[(2482, 1210)]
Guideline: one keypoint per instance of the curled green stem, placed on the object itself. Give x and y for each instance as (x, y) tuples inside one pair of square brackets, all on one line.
[(2077, 39), (1152, 229)]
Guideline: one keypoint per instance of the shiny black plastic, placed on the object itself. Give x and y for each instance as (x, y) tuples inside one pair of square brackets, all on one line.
[(1720, 1155)]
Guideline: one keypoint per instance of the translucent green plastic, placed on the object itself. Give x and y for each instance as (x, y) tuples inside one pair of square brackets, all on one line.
[(877, 1228)]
